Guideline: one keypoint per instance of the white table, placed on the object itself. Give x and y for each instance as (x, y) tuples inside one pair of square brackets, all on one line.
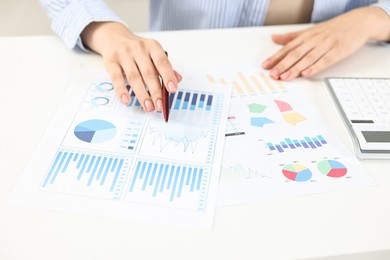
[(34, 76)]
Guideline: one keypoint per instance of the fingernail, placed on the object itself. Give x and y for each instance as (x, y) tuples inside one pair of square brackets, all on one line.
[(171, 87), (149, 105), (125, 99), (285, 75), (274, 74), (265, 64), (159, 104)]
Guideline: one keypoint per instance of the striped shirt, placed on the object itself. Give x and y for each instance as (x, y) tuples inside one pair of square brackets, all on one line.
[(70, 17)]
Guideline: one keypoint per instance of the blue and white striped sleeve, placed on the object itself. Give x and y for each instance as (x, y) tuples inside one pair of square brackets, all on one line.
[(385, 5), (69, 18)]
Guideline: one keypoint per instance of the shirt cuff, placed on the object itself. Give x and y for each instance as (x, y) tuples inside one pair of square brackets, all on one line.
[(385, 6), (76, 16)]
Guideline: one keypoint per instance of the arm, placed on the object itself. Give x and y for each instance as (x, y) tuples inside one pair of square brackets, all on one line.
[(310, 51), (91, 24)]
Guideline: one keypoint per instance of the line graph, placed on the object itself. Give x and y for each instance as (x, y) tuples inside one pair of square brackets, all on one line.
[(185, 142)]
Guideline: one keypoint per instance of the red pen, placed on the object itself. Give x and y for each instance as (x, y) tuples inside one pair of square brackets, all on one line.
[(165, 100)]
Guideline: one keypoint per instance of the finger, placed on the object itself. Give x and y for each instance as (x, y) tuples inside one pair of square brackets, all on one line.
[(290, 59), (164, 68), (327, 60), (136, 82), (178, 76), (116, 74), (271, 61), (151, 79), (285, 38), (307, 60)]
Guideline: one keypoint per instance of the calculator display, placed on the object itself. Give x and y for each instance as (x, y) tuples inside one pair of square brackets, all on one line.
[(376, 136)]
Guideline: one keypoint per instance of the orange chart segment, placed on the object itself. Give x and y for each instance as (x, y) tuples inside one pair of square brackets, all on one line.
[(293, 118)]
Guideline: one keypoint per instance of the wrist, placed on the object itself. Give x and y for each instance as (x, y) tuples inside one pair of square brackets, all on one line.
[(378, 23)]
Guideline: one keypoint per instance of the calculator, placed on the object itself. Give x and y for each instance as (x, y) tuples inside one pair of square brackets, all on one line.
[(364, 104)]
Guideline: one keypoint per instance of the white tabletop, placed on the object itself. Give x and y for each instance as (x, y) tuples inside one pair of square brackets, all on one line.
[(35, 72)]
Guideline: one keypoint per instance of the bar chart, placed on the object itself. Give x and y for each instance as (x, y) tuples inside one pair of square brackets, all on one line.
[(87, 173), (302, 143), (169, 184)]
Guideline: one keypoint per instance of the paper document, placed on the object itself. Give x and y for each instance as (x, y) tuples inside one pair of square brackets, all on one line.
[(104, 158)]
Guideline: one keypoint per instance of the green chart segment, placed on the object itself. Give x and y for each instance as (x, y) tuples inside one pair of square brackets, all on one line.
[(95, 131), (332, 168), (297, 172)]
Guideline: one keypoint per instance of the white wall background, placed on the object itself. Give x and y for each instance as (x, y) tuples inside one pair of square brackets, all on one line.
[(26, 17)]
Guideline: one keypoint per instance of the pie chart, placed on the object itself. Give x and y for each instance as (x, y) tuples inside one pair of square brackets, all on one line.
[(297, 172), (95, 131), (332, 168)]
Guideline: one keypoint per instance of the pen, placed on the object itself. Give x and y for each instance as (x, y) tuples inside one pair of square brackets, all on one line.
[(165, 100)]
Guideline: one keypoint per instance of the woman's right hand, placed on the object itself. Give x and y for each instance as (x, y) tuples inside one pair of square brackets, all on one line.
[(138, 60)]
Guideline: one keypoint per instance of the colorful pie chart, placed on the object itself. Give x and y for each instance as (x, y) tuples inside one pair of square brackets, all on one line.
[(95, 131), (332, 168), (297, 172)]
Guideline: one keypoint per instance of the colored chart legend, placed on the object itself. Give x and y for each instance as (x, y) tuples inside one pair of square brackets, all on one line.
[(88, 174), (297, 172), (332, 168), (169, 184), (304, 143)]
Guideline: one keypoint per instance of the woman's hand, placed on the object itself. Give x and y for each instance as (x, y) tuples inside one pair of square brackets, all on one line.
[(310, 51), (140, 61)]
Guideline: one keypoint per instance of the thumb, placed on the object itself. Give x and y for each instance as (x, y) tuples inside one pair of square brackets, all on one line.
[(283, 39)]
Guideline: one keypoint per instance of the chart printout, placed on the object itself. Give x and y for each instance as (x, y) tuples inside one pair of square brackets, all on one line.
[(277, 145), (101, 157)]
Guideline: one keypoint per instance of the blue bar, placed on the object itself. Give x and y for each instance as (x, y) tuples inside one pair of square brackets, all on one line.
[(101, 168), (137, 104), (83, 167), (284, 145), (67, 163), (199, 179), (209, 102), (175, 183), (304, 144), (91, 163), (160, 173), (116, 174), (106, 171), (297, 144), (183, 174), (153, 173), (80, 161), (147, 176), (135, 176), (178, 100), (186, 99), (194, 179), (170, 177), (114, 164), (132, 95), (76, 156), (290, 144), (279, 148), (271, 146), (59, 167), (171, 97), (317, 142), (164, 178), (94, 171), (311, 144), (201, 102), (143, 170), (193, 102), (322, 140), (189, 176), (52, 168)]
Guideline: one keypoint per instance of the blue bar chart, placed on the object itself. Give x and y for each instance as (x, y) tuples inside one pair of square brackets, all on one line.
[(169, 184), (303, 143), (86, 173)]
